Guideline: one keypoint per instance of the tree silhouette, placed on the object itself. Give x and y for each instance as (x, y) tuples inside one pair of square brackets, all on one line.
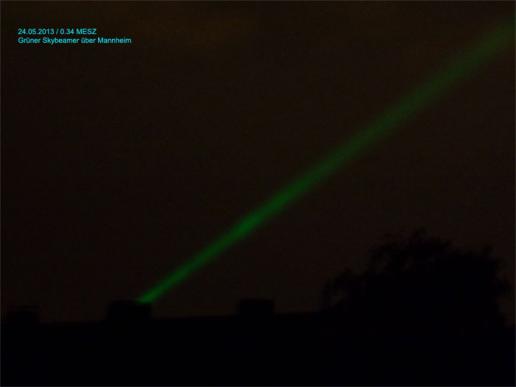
[(420, 284)]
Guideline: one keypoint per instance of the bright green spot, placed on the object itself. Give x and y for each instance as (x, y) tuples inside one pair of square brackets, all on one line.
[(386, 123)]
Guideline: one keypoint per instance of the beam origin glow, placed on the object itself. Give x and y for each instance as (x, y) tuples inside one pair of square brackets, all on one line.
[(385, 124)]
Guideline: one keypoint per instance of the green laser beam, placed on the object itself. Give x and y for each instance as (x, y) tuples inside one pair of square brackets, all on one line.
[(385, 124)]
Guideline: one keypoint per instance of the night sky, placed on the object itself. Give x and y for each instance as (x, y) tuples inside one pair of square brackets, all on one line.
[(120, 162)]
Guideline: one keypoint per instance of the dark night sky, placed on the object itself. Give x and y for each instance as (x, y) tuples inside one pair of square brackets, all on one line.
[(119, 162)]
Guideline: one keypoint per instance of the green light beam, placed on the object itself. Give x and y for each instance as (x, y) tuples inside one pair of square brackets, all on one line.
[(385, 124)]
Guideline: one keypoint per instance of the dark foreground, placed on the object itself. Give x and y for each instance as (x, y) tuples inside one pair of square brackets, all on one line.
[(249, 349)]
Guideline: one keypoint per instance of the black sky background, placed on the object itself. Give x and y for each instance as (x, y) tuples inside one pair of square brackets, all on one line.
[(120, 162)]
